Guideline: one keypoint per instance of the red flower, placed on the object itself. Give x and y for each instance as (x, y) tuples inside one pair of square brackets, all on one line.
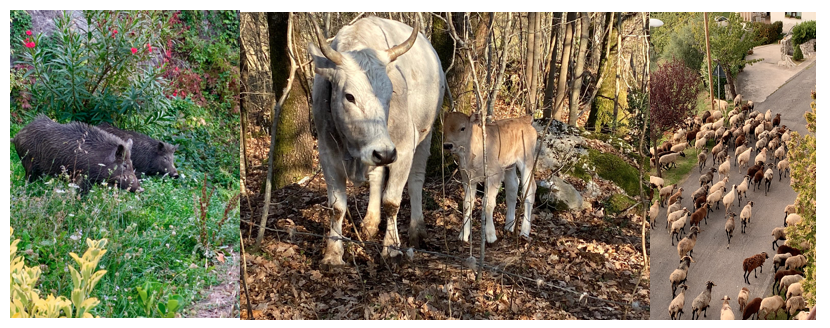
[(28, 32), (29, 44), (174, 93), (149, 48), (26, 41), (114, 32), (176, 69), (134, 50)]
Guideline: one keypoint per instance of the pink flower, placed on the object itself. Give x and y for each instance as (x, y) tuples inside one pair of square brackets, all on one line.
[(26, 41), (133, 50), (174, 93), (149, 48), (28, 32), (174, 69), (29, 44), (114, 32)]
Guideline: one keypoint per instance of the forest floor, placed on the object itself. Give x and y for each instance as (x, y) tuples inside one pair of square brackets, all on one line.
[(575, 266)]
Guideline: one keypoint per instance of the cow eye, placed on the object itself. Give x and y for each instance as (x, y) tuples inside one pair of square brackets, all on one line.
[(462, 128), (350, 98)]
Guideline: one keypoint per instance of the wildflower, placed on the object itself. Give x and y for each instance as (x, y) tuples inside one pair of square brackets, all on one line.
[(29, 44), (28, 32), (149, 48), (174, 93), (114, 32), (134, 50)]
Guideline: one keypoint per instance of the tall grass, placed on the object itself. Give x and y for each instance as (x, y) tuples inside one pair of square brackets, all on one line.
[(154, 236)]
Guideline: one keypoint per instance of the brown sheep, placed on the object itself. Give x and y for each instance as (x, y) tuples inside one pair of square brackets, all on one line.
[(752, 308), (753, 169), (678, 276), (788, 249), (703, 190), (743, 297), (752, 263), (777, 120), (699, 215), (701, 161), (676, 195), (715, 150), (757, 179), (699, 201), (687, 245), (706, 178)]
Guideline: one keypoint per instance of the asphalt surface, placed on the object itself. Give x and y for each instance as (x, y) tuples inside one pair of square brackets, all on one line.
[(713, 261)]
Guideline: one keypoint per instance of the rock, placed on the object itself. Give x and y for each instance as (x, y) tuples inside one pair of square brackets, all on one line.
[(561, 194), (43, 21), (562, 146)]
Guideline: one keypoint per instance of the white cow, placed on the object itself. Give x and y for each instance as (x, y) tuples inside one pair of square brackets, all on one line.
[(377, 91)]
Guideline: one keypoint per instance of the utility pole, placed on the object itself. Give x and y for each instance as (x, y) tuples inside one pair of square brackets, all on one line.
[(709, 60)]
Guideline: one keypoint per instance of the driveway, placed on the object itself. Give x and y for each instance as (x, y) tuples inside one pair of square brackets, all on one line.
[(712, 260)]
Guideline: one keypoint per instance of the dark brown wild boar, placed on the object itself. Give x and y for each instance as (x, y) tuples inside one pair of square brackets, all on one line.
[(88, 154), (150, 156)]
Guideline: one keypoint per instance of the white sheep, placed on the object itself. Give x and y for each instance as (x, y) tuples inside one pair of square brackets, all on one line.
[(701, 302), (779, 260), (679, 148), (783, 168), (687, 245), (795, 304), (678, 226), (743, 158), (743, 297), (653, 212), (786, 281), (676, 305), (657, 181), (668, 160), (742, 188), (725, 167), (790, 209), (770, 305), (674, 216), (778, 233), (729, 199), (720, 184), (768, 115), (726, 310), (746, 216), (792, 219), (761, 157), (794, 290), (678, 276), (795, 262)]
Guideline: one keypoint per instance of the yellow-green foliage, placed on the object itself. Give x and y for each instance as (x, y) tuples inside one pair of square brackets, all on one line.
[(802, 157), (604, 102), (25, 299)]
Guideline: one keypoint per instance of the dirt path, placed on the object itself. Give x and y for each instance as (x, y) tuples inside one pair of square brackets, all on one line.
[(221, 300)]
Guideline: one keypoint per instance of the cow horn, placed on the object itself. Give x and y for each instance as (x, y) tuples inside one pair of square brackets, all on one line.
[(402, 48), (326, 48)]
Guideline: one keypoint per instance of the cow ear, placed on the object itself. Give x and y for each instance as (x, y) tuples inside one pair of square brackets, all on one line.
[(475, 118), (327, 73)]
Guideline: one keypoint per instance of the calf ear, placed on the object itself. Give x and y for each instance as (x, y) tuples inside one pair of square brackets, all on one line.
[(475, 118)]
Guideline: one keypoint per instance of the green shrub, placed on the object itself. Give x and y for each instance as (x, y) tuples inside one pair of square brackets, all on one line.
[(768, 33), (797, 55), (20, 23), (102, 74), (610, 167), (804, 32)]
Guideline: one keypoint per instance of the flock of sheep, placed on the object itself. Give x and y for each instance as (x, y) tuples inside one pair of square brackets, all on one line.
[(741, 137)]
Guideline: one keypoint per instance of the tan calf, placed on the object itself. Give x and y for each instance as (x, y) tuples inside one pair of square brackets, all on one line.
[(511, 145)]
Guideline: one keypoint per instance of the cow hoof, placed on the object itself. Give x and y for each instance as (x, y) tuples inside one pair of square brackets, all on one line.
[(389, 252), (415, 240), (491, 239), (369, 231), (331, 262)]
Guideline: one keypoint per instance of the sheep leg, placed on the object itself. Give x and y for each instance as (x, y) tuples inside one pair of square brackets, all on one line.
[(704, 312), (693, 314)]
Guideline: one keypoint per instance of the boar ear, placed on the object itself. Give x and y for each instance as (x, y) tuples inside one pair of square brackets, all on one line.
[(161, 146), (121, 150)]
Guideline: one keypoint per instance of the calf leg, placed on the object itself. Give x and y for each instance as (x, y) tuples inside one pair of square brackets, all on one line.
[(511, 191), (469, 198), (529, 189), (492, 190), (372, 218), (417, 228)]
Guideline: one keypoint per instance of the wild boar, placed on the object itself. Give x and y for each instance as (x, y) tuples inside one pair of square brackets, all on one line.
[(149, 156), (88, 154)]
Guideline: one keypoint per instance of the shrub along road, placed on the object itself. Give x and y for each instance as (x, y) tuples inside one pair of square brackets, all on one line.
[(712, 260)]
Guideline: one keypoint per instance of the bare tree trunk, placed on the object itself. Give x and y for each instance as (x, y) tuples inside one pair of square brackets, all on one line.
[(617, 76), (576, 88), (244, 72), (709, 61), (563, 70), (293, 153), (597, 42), (550, 82), (534, 54)]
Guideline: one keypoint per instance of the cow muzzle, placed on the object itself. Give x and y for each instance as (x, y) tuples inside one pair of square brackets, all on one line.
[(384, 157), (448, 146)]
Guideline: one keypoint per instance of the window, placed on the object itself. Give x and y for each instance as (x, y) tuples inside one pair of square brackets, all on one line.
[(792, 15)]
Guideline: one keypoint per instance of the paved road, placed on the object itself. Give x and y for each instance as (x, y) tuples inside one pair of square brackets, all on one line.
[(713, 261)]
